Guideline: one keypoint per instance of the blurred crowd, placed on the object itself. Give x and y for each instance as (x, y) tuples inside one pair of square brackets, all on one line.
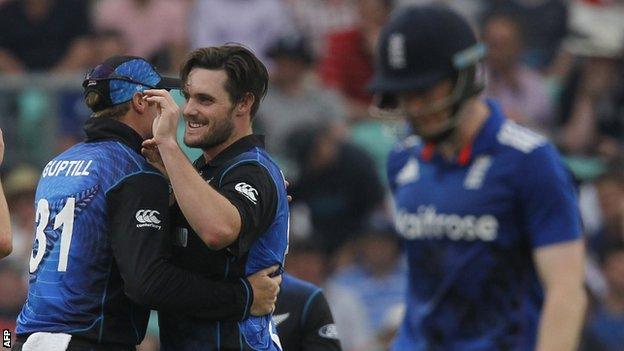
[(554, 66)]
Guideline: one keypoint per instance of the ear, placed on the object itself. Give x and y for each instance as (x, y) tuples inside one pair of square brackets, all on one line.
[(244, 106), (138, 104)]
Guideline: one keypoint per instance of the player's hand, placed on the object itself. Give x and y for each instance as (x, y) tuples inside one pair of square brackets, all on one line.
[(152, 155), (165, 124), (265, 290)]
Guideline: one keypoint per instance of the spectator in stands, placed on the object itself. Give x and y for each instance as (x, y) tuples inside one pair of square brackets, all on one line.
[(295, 98), (44, 35), (610, 191), (337, 181), (545, 24), (347, 63), (378, 275), (318, 18), (519, 89), (596, 41), (605, 329), (254, 23), (155, 29)]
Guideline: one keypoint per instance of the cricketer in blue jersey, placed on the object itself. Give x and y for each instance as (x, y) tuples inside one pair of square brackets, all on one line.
[(485, 207), (231, 203), (101, 252)]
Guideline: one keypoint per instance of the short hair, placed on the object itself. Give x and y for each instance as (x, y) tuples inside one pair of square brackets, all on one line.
[(245, 72), (92, 99)]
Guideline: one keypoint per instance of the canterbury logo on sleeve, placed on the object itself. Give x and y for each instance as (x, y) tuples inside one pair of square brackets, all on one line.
[(148, 218), (248, 191)]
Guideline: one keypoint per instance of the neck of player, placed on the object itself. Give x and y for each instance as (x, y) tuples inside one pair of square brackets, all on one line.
[(237, 134), (472, 117)]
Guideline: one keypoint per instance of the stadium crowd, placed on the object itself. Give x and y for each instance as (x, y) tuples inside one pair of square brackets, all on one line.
[(556, 66)]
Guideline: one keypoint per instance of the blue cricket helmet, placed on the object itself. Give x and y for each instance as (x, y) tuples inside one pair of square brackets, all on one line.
[(424, 45)]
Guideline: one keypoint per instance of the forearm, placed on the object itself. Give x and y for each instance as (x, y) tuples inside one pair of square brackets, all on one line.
[(561, 320), (163, 286), (6, 238), (211, 215)]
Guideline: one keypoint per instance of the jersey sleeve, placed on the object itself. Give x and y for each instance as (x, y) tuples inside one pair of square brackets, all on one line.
[(250, 188), (138, 228), (548, 198), (319, 330)]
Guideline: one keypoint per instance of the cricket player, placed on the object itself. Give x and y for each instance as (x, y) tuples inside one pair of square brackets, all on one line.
[(231, 213), (485, 207), (101, 252)]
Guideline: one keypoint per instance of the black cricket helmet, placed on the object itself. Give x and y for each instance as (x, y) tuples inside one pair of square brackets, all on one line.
[(421, 46)]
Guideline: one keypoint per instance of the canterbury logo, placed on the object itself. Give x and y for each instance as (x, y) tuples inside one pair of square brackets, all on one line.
[(147, 216), (248, 191)]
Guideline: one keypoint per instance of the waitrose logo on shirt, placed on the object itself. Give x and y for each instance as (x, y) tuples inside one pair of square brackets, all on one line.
[(426, 223)]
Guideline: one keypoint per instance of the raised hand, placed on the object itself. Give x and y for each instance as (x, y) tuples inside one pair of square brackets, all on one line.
[(165, 124)]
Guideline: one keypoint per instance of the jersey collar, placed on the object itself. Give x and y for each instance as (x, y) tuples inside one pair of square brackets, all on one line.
[(485, 138), (243, 144), (102, 128)]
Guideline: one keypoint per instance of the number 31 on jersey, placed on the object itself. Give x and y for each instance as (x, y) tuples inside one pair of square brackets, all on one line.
[(64, 218)]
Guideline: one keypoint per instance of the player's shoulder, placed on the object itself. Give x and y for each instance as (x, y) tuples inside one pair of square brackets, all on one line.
[(118, 162), (527, 149), (300, 285), (513, 136), (255, 160)]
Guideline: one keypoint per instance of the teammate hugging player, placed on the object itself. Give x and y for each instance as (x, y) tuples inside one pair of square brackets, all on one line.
[(101, 253), (487, 211), (231, 214)]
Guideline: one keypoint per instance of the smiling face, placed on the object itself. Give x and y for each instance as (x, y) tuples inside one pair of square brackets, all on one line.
[(209, 110)]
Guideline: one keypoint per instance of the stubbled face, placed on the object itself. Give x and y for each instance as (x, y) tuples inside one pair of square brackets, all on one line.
[(428, 124), (209, 111)]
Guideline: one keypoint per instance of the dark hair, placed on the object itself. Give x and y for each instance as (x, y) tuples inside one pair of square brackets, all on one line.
[(92, 99), (245, 72)]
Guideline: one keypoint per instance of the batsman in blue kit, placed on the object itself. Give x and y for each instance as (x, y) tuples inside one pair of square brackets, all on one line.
[(231, 212), (486, 209)]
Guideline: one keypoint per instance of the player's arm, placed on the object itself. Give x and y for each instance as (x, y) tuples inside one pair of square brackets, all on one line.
[(141, 246), (561, 272), (6, 237), (319, 330), (550, 209), (212, 216)]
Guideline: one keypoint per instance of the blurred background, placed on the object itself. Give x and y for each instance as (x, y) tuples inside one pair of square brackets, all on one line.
[(554, 65)]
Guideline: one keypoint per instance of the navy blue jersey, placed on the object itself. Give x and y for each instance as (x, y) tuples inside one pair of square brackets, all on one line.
[(302, 317), (74, 282), (469, 229), (245, 174)]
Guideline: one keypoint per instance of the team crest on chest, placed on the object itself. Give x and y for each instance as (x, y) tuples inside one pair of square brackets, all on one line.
[(477, 172)]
